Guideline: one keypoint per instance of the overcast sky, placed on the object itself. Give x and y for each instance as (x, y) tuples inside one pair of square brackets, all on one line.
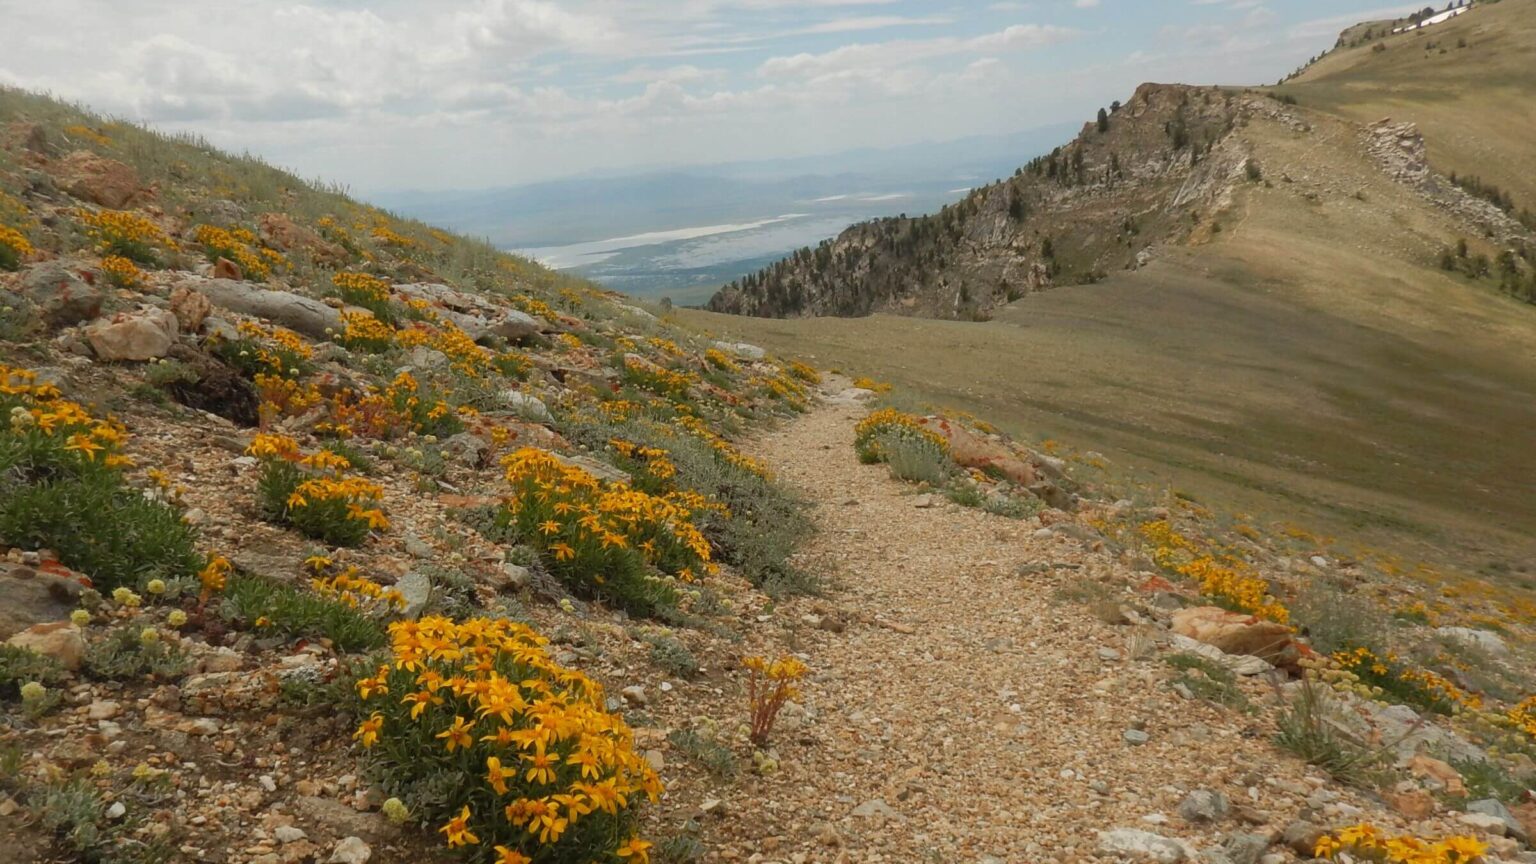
[(465, 93)]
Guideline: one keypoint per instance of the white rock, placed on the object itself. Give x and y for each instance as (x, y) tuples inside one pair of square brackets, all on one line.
[(1140, 846), (288, 834), (416, 588), (102, 709), (117, 811), (351, 850), (1483, 640), (874, 807)]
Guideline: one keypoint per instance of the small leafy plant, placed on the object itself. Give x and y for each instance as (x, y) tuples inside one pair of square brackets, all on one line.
[(769, 686)]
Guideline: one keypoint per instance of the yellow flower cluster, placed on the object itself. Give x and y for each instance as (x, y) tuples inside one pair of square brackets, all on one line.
[(361, 289), (723, 448), (14, 247), (279, 397), (52, 430), (124, 233), (240, 246), (866, 383), (80, 130), (590, 528), (805, 373), (1421, 686), (361, 331), (1366, 842), (278, 348), (390, 411), (535, 307), (890, 422), (350, 588), (657, 379), (544, 771), (655, 460), (721, 360), (445, 336), (215, 576), (667, 347), (122, 272), (1227, 580), (389, 237), (1523, 716), (314, 494)]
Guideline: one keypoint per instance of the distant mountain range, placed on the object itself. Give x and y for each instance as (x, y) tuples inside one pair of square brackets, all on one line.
[(683, 231)]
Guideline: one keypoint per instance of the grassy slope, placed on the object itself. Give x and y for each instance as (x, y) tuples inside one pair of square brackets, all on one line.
[(1309, 365), (1472, 103)]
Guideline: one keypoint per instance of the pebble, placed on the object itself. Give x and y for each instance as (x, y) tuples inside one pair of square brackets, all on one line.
[(635, 695), (288, 834), (351, 850), (1136, 737), (102, 710)]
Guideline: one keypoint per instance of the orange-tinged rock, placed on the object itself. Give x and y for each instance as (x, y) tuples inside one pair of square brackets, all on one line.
[(60, 640), (1415, 805), (98, 179), (1428, 766), (1236, 633), (971, 451)]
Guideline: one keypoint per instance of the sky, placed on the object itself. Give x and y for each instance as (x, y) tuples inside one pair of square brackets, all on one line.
[(473, 93)]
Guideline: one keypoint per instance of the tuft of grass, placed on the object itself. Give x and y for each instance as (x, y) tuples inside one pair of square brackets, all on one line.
[(294, 612), (914, 459), (1208, 680), (672, 656), (706, 752), (1307, 728)]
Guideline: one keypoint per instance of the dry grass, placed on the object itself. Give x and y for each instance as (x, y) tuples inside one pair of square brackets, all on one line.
[(1472, 100), (1309, 364)]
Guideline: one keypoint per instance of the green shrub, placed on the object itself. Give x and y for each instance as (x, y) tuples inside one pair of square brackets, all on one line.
[(132, 651), (62, 488), (298, 613), (706, 752), (913, 458)]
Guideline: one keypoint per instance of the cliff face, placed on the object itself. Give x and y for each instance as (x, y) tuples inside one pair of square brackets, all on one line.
[(1142, 177)]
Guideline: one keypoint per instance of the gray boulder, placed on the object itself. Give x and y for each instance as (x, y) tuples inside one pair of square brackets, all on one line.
[(62, 298), (303, 315)]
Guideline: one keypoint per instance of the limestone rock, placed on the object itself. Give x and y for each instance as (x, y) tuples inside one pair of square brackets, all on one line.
[(351, 850), (145, 335), (190, 307), (60, 640), (286, 235), (1141, 846), (743, 350), (61, 296), (971, 451), (34, 597), (303, 315)]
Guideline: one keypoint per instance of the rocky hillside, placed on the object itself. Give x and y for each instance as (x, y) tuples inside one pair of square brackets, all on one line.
[(1158, 170), (1149, 173)]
